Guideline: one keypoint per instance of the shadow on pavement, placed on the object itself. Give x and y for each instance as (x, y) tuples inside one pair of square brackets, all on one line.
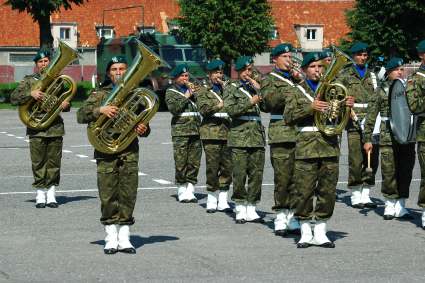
[(415, 213), (138, 241), (65, 199)]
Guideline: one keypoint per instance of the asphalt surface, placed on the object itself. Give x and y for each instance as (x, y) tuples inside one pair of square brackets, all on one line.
[(180, 242)]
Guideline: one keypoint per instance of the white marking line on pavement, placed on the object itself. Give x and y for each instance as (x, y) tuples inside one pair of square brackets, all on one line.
[(82, 156), (20, 138), (93, 160), (82, 145), (66, 151), (27, 140), (10, 135), (166, 143), (142, 174), (31, 176), (3, 132), (162, 182)]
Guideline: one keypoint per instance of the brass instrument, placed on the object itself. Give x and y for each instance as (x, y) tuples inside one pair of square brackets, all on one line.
[(113, 135), (39, 115), (333, 121)]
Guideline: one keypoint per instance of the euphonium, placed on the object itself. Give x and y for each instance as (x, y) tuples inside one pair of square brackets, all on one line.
[(333, 121), (136, 105), (57, 88)]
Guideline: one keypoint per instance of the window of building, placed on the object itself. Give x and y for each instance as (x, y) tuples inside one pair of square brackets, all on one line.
[(105, 31), (311, 33), (273, 33), (65, 33), (21, 58)]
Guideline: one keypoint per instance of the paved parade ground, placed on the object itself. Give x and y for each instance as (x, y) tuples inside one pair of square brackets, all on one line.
[(181, 242)]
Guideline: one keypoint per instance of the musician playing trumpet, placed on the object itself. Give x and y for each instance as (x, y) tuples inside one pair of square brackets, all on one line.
[(117, 174), (246, 139)]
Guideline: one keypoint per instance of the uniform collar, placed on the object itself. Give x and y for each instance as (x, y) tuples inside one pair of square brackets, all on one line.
[(312, 84), (361, 70), (283, 73)]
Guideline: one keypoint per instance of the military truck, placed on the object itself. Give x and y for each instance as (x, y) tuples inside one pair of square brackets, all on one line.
[(169, 47)]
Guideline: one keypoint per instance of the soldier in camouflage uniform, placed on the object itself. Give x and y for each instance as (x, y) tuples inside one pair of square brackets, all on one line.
[(180, 100), (416, 97), (360, 83), (246, 139), (316, 157), (117, 174), (275, 88), (397, 160), (45, 145), (213, 132)]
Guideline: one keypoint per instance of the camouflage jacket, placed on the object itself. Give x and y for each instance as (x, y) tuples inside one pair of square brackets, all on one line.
[(378, 103), (215, 123), (22, 94), (178, 104), (246, 129), (90, 112), (299, 112), (416, 98), (275, 88), (360, 88)]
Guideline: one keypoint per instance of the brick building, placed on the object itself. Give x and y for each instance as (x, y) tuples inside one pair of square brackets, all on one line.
[(307, 24)]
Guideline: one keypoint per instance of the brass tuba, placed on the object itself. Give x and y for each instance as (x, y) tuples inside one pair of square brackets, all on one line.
[(57, 88), (333, 121), (136, 105)]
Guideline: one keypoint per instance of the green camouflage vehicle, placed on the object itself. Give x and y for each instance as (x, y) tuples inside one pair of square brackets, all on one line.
[(170, 48)]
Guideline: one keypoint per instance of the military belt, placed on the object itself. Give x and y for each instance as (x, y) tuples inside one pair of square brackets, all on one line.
[(221, 115), (360, 105), (276, 117), (249, 118), (308, 129), (186, 114)]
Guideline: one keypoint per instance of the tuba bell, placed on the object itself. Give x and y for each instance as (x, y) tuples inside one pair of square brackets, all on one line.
[(57, 88), (333, 121), (136, 105)]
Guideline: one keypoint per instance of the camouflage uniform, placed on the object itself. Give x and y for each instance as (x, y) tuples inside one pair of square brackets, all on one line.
[(117, 174), (274, 88), (416, 97), (246, 139), (45, 145), (361, 89), (185, 135), (213, 132), (316, 158), (397, 160)]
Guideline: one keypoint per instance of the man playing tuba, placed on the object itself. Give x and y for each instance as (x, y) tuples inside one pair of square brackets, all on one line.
[(117, 174), (45, 144)]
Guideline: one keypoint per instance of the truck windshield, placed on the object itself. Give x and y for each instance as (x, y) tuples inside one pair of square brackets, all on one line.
[(195, 54), (171, 55)]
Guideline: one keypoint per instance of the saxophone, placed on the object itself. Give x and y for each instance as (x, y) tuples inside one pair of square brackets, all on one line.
[(39, 115), (333, 121), (113, 135)]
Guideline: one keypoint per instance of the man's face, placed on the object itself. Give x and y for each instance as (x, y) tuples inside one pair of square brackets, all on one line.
[(42, 63), (396, 73), (182, 79), (313, 70), (215, 76), (422, 57), (246, 72), (116, 71), (283, 61), (360, 58)]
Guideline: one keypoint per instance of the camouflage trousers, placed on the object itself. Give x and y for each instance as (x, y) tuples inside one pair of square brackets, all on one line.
[(248, 163), (46, 155), (421, 157), (117, 181), (218, 159), (315, 178), (187, 158), (397, 162), (282, 156), (357, 162)]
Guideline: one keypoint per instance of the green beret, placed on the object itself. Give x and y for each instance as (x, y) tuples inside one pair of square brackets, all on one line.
[(41, 54), (215, 64), (242, 62), (325, 53), (393, 63), (421, 46), (116, 59), (178, 70), (359, 47), (310, 57), (282, 48)]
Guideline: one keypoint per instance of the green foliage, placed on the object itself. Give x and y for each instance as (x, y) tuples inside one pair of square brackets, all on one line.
[(227, 28), (390, 27)]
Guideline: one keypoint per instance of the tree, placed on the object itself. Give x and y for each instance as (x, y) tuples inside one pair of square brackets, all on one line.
[(40, 11), (227, 28), (390, 27)]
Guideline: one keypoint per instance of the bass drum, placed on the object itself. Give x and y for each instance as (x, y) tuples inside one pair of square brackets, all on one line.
[(402, 121)]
